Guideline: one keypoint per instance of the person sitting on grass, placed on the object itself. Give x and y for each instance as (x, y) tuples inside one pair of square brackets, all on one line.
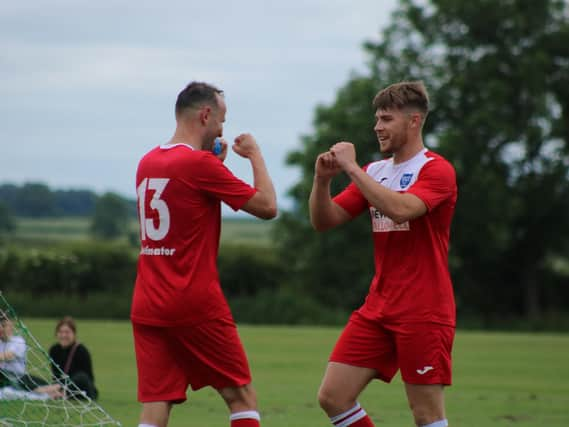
[(13, 349), (72, 358)]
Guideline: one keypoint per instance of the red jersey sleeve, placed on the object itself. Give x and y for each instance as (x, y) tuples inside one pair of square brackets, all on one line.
[(435, 184), (352, 200), (218, 181)]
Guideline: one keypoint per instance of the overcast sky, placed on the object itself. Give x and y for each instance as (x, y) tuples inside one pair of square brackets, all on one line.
[(87, 87)]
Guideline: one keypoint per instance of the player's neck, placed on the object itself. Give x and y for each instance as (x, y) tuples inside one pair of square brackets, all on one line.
[(188, 137), (408, 150)]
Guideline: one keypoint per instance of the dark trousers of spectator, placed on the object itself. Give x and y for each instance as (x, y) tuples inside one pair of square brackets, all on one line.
[(85, 384)]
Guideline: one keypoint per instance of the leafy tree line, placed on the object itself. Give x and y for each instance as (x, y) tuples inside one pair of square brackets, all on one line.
[(498, 76), (109, 212), (38, 200)]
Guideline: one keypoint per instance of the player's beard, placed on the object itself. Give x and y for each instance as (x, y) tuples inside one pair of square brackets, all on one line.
[(396, 139), (208, 141), (393, 143)]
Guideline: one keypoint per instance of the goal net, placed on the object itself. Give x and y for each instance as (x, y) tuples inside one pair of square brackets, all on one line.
[(30, 396)]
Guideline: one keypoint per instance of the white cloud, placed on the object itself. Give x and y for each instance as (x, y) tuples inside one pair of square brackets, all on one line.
[(87, 87)]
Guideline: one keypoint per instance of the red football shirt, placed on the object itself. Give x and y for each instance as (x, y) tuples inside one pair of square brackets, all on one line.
[(412, 281), (180, 191)]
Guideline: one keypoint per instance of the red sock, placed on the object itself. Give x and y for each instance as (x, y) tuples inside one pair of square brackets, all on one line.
[(245, 419), (245, 422), (355, 417), (363, 422)]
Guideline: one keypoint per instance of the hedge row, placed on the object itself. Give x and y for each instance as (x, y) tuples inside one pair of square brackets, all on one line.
[(95, 280), (275, 307), (87, 268), (77, 270)]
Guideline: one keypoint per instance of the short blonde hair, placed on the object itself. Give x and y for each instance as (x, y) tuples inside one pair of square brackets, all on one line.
[(403, 95)]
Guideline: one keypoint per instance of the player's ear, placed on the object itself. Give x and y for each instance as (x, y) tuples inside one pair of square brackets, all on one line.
[(205, 112), (415, 121)]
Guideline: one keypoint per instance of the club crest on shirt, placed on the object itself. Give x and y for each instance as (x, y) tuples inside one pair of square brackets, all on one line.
[(405, 180)]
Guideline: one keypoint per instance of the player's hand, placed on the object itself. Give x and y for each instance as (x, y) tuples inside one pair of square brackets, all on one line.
[(223, 153), (326, 166), (246, 146), (345, 154)]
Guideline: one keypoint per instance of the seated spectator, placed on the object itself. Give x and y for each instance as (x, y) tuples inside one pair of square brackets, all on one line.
[(72, 358), (13, 351)]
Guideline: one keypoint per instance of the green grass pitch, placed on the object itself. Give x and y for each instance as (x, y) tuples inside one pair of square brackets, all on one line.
[(500, 379)]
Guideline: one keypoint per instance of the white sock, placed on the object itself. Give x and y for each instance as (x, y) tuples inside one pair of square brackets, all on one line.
[(349, 417), (245, 414), (146, 425), (440, 423)]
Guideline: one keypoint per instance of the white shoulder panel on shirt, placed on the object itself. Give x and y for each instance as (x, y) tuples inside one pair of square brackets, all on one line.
[(398, 177)]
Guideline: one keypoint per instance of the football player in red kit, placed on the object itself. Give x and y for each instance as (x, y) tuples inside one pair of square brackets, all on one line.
[(407, 321), (184, 332)]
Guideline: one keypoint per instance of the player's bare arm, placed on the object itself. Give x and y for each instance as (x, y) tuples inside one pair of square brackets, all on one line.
[(263, 204), (400, 207), (324, 213)]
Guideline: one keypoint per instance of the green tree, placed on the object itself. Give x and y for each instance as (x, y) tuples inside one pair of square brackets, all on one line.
[(498, 74), (501, 83), (35, 200), (111, 216), (75, 202), (7, 221), (334, 267)]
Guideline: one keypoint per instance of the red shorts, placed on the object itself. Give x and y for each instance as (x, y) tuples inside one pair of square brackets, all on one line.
[(169, 359), (422, 351)]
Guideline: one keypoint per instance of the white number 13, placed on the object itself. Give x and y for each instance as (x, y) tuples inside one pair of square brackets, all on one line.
[(147, 228)]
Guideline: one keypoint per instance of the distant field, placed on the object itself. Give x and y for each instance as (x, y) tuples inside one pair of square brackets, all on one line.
[(246, 231), (234, 231), (500, 379), (67, 228)]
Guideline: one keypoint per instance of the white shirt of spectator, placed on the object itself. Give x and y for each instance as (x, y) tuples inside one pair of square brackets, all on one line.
[(17, 346)]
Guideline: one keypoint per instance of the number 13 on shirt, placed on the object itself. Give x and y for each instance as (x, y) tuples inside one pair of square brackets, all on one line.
[(147, 227)]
